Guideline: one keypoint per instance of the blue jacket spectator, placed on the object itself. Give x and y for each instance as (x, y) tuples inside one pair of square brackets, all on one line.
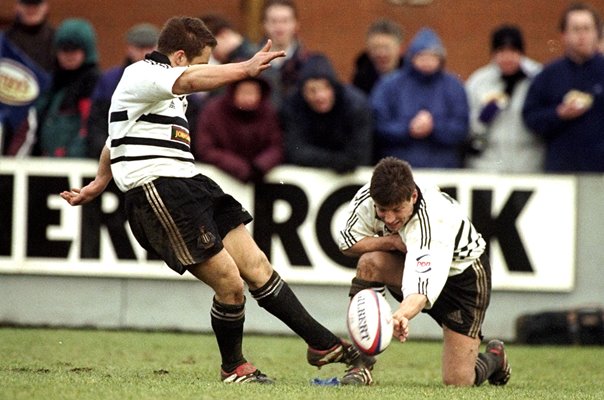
[(565, 103), (421, 112)]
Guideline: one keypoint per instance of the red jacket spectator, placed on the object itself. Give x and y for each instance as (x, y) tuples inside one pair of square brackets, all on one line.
[(239, 131)]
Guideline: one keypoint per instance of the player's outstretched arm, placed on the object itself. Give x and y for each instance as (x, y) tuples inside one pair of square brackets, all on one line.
[(77, 197), (202, 77)]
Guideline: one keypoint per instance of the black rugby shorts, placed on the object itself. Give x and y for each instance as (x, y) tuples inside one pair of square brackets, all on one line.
[(183, 220), (462, 304)]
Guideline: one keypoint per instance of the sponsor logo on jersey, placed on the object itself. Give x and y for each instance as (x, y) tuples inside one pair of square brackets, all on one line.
[(180, 135), (423, 263)]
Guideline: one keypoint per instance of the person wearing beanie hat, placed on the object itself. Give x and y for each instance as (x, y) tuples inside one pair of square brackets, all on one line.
[(327, 124), (141, 39), (499, 140), (421, 111), (507, 36)]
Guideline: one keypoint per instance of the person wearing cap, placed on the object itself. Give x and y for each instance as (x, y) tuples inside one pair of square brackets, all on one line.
[(421, 111), (32, 32), (499, 140), (326, 123), (141, 39)]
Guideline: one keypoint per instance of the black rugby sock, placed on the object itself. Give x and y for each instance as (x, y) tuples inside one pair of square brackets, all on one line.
[(227, 323), (277, 298), (359, 284), (486, 364)]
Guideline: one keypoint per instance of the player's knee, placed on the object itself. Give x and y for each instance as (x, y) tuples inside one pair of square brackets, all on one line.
[(257, 270), (230, 292), (369, 267), (456, 378)]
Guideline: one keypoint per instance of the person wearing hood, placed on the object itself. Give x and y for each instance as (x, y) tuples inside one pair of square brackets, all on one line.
[(499, 140), (239, 132), (63, 110), (326, 123), (421, 112)]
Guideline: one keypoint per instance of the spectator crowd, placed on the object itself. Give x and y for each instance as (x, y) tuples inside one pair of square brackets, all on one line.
[(513, 115)]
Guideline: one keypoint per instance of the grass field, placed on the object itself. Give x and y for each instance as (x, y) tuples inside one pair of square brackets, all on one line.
[(87, 364)]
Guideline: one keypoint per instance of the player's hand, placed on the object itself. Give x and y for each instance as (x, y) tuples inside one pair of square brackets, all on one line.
[(261, 60), (397, 242), (76, 197), (401, 327)]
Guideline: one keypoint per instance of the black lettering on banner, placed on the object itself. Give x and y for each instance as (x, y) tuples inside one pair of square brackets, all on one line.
[(265, 197), (7, 189), (93, 219), (324, 221), (40, 217), (503, 227)]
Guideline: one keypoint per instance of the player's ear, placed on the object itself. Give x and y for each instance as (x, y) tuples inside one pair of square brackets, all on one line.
[(414, 196), (180, 58)]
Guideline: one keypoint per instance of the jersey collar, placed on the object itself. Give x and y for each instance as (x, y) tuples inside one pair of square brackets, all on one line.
[(158, 58)]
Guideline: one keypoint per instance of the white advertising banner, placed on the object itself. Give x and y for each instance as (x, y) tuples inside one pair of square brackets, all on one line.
[(529, 222)]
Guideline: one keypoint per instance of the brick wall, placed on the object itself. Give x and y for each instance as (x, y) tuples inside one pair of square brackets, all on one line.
[(337, 27)]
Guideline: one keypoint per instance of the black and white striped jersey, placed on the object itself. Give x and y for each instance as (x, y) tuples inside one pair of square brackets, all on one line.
[(441, 241), (148, 129)]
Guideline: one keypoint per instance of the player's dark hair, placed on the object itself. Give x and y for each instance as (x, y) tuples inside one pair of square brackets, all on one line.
[(580, 7), (392, 182), (286, 3), (185, 33)]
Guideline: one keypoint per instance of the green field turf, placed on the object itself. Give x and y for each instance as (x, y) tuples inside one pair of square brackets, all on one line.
[(88, 364)]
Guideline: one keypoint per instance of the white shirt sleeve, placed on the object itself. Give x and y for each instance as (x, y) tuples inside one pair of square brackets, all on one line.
[(430, 244), (150, 88)]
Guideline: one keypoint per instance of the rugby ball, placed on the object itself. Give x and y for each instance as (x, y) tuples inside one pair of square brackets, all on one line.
[(370, 322)]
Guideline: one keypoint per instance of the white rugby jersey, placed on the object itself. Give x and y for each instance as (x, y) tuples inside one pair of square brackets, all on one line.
[(441, 241), (148, 129)]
